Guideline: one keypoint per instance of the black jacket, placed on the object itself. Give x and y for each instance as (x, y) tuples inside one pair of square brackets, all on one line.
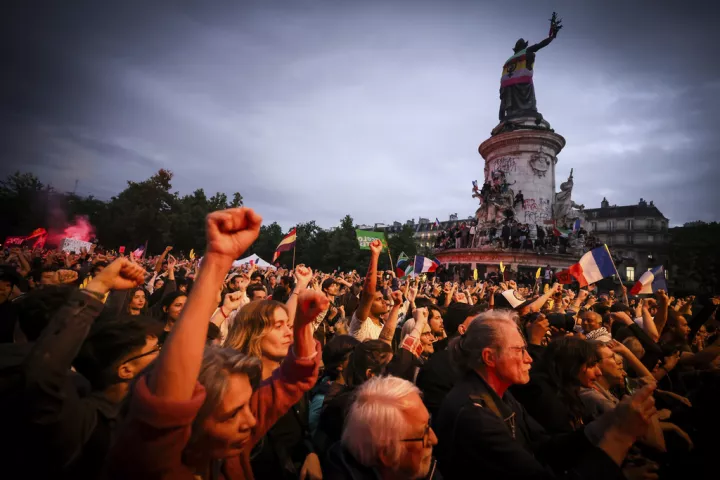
[(480, 432), (341, 465), (57, 430), (436, 378)]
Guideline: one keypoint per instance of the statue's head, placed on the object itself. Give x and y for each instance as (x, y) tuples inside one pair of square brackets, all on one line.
[(520, 45)]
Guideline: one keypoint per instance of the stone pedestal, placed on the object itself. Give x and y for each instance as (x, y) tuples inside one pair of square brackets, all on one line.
[(526, 156)]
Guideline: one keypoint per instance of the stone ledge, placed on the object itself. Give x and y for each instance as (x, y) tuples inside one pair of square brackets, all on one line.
[(494, 257)]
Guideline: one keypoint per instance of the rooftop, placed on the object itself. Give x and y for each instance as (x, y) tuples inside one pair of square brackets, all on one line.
[(642, 209)]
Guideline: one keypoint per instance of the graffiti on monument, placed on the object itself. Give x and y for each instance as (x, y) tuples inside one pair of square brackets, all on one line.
[(506, 164), (540, 164), (537, 212)]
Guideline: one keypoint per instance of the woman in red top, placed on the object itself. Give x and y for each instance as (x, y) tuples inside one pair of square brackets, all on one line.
[(198, 412)]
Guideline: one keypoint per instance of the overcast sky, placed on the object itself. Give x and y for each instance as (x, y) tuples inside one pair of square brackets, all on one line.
[(318, 109)]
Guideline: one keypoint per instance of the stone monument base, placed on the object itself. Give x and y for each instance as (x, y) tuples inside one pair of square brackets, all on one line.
[(516, 259)]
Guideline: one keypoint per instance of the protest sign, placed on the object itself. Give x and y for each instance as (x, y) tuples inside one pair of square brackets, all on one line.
[(73, 245), (364, 237)]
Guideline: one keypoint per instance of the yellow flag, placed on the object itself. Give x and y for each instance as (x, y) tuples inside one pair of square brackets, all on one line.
[(502, 267), (537, 274), (192, 254), (475, 274), (547, 287)]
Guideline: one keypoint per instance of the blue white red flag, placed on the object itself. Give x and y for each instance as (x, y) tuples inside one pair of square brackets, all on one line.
[(593, 266), (437, 223), (425, 265), (576, 225), (650, 282)]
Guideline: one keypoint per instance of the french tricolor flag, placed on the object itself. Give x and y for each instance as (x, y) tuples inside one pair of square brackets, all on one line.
[(650, 282), (425, 265), (593, 266)]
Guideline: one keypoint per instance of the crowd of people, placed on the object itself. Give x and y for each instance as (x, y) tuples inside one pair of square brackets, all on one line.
[(114, 366), (514, 235)]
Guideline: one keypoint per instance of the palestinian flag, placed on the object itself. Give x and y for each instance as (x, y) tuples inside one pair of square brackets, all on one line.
[(561, 232), (286, 244), (402, 265)]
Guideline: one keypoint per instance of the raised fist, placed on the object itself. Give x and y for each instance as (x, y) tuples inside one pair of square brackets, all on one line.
[(310, 305), (121, 274), (376, 247), (230, 232)]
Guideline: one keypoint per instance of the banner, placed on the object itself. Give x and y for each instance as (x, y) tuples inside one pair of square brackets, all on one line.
[(564, 277), (39, 235), (73, 245), (364, 237)]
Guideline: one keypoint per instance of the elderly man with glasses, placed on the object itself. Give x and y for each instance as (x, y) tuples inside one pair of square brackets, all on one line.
[(387, 435)]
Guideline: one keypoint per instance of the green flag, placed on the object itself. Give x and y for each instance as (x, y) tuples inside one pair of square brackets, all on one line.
[(364, 238)]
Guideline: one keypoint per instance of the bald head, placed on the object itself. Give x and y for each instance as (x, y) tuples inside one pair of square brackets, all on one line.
[(591, 321)]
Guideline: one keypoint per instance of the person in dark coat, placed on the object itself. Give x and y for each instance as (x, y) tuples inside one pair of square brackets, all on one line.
[(482, 428)]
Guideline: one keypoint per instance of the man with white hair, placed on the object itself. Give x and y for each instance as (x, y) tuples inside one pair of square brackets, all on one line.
[(387, 435)]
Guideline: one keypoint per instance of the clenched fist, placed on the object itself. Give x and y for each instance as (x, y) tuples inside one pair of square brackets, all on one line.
[(230, 232)]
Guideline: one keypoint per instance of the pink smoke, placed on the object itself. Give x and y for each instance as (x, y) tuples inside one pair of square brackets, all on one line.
[(81, 229)]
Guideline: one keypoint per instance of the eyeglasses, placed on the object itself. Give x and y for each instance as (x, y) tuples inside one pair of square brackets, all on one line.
[(150, 352), (521, 350), (425, 439)]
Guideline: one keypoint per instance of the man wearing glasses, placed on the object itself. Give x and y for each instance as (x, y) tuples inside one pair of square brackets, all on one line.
[(387, 434)]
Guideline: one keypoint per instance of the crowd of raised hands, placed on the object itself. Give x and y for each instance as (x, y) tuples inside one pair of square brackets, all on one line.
[(172, 367)]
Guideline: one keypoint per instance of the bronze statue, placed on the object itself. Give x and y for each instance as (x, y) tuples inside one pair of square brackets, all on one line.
[(517, 93)]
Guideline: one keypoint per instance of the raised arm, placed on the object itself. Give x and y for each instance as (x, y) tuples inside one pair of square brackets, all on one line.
[(303, 275), (663, 303), (229, 233), (538, 46), (388, 331), (368, 293), (161, 259)]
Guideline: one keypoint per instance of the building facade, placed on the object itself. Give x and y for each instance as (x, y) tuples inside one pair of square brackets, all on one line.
[(426, 232), (637, 234)]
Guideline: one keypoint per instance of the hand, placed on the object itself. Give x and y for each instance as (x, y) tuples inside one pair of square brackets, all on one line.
[(67, 276), (397, 298), (342, 311), (172, 262), (230, 232), (556, 288), (634, 413), (617, 347), (664, 414), (671, 361), (310, 305), (459, 297), (168, 250), (233, 301), (662, 298), (582, 295), (537, 330), (412, 294), (376, 247), (421, 318), (311, 468), (303, 275), (119, 275)]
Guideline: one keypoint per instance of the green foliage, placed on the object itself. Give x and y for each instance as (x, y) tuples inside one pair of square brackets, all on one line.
[(404, 241), (148, 211)]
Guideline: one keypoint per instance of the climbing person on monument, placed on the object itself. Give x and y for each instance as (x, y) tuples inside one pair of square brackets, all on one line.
[(519, 198), (517, 92)]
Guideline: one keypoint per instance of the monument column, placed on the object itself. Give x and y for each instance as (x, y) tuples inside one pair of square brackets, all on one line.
[(526, 156)]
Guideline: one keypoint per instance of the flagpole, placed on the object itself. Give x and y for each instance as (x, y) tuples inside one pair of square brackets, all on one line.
[(294, 247), (624, 289)]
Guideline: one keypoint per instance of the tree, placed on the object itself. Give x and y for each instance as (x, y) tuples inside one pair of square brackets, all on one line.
[(237, 200), (403, 241), (24, 203), (267, 241), (343, 250), (694, 258)]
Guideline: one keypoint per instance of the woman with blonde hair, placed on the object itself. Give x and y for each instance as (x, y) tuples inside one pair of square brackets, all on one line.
[(264, 329)]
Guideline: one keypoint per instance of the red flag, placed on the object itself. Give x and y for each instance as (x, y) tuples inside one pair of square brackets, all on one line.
[(576, 272), (287, 243), (121, 249), (564, 277)]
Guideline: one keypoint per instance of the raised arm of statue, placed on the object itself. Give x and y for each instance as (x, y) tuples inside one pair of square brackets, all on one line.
[(538, 46)]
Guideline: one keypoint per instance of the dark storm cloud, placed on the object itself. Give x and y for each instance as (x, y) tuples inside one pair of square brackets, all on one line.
[(315, 109)]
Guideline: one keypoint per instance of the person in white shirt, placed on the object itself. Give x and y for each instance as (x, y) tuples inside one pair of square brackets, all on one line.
[(366, 323)]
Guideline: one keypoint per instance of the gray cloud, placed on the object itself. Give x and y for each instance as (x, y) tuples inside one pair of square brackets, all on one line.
[(316, 109)]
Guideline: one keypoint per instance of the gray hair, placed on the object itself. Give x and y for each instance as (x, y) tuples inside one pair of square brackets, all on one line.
[(376, 420), (484, 331), (218, 364)]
